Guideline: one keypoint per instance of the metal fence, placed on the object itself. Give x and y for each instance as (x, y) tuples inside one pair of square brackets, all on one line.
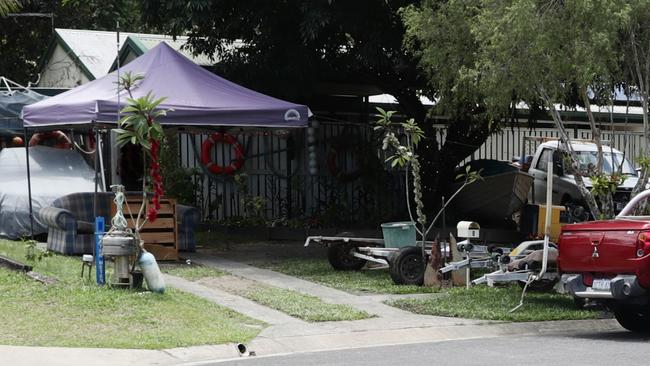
[(277, 170), (342, 191), (509, 143)]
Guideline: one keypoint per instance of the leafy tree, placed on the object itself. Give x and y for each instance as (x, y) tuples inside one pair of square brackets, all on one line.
[(24, 39), (439, 34), (553, 52), (7, 6), (290, 48), (635, 44), (139, 126), (100, 15), (22, 42)]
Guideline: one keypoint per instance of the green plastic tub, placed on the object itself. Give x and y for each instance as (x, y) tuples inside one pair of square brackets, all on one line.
[(398, 234)]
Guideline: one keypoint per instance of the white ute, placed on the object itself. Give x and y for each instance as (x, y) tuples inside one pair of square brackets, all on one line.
[(565, 190)]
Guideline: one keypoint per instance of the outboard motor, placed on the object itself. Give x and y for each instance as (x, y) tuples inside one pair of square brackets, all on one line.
[(120, 245)]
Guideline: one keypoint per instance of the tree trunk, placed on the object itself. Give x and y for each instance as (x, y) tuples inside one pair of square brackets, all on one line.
[(464, 135), (641, 79), (595, 131), (565, 140)]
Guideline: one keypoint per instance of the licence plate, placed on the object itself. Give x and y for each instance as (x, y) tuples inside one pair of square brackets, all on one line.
[(601, 284)]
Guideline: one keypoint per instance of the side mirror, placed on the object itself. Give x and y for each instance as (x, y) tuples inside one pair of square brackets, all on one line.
[(558, 169)]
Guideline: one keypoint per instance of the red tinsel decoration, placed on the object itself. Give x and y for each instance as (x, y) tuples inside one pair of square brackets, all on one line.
[(156, 180)]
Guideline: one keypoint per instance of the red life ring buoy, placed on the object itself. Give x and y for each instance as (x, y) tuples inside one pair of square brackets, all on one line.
[(341, 145), (206, 156), (90, 141), (56, 139)]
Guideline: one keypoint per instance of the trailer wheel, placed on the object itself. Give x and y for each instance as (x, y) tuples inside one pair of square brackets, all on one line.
[(407, 267), (633, 318), (341, 257)]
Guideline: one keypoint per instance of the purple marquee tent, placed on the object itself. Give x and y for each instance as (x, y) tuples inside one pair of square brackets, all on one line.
[(197, 97)]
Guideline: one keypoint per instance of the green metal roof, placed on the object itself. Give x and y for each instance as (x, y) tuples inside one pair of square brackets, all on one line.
[(138, 44), (149, 41), (95, 51)]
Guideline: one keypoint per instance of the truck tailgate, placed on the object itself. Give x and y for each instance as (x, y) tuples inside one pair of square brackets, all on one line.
[(604, 247)]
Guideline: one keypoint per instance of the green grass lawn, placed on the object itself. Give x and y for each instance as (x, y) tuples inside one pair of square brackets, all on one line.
[(296, 304), (490, 303), (305, 307), (357, 282), (191, 272), (77, 313)]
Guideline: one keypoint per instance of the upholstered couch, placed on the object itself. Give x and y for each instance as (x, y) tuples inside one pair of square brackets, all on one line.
[(70, 222)]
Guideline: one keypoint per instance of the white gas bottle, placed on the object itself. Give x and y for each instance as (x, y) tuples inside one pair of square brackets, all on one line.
[(151, 272)]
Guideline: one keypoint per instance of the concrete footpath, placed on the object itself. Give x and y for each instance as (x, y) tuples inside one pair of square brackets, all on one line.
[(286, 334)]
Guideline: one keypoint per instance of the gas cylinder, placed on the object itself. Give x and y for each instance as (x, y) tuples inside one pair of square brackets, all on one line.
[(151, 272)]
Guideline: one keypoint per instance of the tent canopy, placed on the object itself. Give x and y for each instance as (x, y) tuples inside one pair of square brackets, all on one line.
[(197, 97)]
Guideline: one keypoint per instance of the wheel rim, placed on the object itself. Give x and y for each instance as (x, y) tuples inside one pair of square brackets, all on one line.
[(411, 267), (347, 255)]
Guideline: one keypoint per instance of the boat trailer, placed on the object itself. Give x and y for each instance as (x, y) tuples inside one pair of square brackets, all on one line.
[(352, 253)]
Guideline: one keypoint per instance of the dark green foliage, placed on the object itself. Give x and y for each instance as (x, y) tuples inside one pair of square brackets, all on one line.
[(24, 40), (177, 180), (291, 46)]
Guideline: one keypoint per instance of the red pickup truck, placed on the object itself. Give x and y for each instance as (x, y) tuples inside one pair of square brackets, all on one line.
[(609, 262)]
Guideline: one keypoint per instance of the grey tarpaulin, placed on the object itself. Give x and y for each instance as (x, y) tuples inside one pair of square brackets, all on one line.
[(54, 173), (12, 102)]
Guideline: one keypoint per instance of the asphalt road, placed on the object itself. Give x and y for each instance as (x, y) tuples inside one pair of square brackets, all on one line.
[(607, 348)]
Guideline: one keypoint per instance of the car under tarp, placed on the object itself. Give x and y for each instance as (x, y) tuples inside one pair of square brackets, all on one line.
[(54, 173), (197, 96)]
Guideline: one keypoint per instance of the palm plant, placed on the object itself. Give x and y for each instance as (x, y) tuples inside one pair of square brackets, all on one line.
[(8, 6)]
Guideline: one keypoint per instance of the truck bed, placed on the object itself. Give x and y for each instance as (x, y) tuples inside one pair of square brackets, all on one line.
[(603, 247)]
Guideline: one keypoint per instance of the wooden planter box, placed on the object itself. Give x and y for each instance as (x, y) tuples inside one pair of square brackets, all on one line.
[(159, 236)]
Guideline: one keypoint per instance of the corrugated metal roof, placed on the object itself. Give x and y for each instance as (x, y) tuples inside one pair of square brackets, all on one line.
[(152, 40), (97, 50)]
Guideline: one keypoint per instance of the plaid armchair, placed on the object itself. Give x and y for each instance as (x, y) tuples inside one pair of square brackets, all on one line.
[(71, 224)]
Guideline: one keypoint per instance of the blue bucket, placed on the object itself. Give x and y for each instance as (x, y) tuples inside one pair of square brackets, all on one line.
[(398, 234)]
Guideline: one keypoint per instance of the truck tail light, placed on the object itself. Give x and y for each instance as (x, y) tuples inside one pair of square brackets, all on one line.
[(643, 244)]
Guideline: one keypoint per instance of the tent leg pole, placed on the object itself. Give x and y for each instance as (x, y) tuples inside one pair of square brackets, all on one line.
[(29, 186), (288, 194), (96, 131), (97, 145)]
